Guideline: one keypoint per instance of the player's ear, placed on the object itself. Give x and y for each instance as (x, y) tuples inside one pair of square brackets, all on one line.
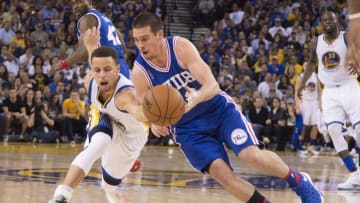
[(118, 67), (161, 33)]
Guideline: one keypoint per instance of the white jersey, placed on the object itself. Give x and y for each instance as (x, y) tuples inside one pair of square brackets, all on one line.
[(311, 90), (123, 119), (331, 59)]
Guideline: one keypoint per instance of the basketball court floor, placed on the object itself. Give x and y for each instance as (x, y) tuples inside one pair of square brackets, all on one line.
[(29, 174)]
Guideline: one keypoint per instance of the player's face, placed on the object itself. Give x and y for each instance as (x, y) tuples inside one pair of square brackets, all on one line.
[(329, 22), (80, 7), (105, 72), (147, 42)]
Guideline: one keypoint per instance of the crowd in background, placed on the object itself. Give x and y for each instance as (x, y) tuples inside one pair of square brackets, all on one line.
[(255, 49)]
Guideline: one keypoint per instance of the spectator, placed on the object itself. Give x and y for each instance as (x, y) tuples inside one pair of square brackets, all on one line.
[(275, 125), (275, 67), (38, 35), (14, 109), (277, 28), (6, 33), (74, 117), (26, 60), (258, 114), (42, 125)]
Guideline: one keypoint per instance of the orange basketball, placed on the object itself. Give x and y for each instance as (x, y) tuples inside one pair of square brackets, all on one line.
[(163, 105)]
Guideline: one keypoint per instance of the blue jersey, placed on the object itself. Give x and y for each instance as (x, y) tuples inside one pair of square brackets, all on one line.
[(202, 131), (177, 77), (109, 37)]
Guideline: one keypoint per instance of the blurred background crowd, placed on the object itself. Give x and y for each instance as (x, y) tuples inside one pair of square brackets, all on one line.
[(255, 49)]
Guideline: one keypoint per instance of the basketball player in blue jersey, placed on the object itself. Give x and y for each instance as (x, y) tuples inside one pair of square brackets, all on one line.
[(115, 133), (341, 93), (89, 17), (212, 117)]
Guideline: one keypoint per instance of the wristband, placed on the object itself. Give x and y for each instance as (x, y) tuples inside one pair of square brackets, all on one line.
[(64, 64), (354, 16)]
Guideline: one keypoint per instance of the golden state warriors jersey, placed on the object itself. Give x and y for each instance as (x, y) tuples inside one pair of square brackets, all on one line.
[(122, 119), (310, 92), (331, 58)]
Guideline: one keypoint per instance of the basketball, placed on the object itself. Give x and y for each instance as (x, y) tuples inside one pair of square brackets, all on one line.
[(163, 105)]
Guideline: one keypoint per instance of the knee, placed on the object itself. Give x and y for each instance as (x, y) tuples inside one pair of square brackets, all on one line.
[(251, 155), (335, 129)]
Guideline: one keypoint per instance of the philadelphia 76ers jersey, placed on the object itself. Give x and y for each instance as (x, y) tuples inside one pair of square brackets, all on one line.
[(177, 77), (109, 37), (129, 125), (202, 131), (331, 58)]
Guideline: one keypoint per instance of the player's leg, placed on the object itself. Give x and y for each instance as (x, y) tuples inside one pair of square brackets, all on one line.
[(239, 136), (99, 138), (118, 160), (207, 154), (334, 116)]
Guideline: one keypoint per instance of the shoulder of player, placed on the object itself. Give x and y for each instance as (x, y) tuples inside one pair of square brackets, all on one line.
[(87, 21)]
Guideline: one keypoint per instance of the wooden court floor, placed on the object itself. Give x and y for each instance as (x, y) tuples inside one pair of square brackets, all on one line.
[(29, 174)]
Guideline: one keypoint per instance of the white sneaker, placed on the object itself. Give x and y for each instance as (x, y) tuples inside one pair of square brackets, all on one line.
[(351, 182), (313, 151)]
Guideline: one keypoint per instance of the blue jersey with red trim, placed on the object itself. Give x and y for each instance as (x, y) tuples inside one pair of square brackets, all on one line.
[(177, 77)]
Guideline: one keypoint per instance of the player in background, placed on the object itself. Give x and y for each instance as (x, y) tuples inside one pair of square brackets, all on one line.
[(309, 105), (115, 133), (341, 92), (89, 17), (212, 117)]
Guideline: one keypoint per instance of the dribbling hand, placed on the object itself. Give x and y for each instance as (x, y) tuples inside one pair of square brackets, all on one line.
[(159, 131)]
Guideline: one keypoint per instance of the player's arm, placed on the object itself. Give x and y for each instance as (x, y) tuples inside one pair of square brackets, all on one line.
[(142, 86), (320, 88), (127, 100), (80, 54), (190, 58), (140, 82), (309, 66), (298, 88)]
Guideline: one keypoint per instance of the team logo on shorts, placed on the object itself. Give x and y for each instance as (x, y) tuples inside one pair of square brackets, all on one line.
[(239, 136)]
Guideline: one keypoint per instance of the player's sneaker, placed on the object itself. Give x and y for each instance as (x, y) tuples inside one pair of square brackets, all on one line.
[(302, 150), (351, 182), (312, 150), (135, 166), (307, 191), (58, 199)]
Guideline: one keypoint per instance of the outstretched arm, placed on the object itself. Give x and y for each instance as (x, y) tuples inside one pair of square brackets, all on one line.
[(127, 100), (80, 54)]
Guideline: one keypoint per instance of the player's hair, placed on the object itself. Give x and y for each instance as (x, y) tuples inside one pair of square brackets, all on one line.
[(105, 51), (148, 19)]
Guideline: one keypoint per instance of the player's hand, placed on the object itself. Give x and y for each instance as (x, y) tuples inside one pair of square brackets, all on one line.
[(91, 39), (192, 98), (159, 131), (353, 51)]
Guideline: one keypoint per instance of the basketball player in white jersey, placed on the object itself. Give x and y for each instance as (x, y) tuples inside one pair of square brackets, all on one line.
[(309, 106), (341, 93), (115, 134)]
